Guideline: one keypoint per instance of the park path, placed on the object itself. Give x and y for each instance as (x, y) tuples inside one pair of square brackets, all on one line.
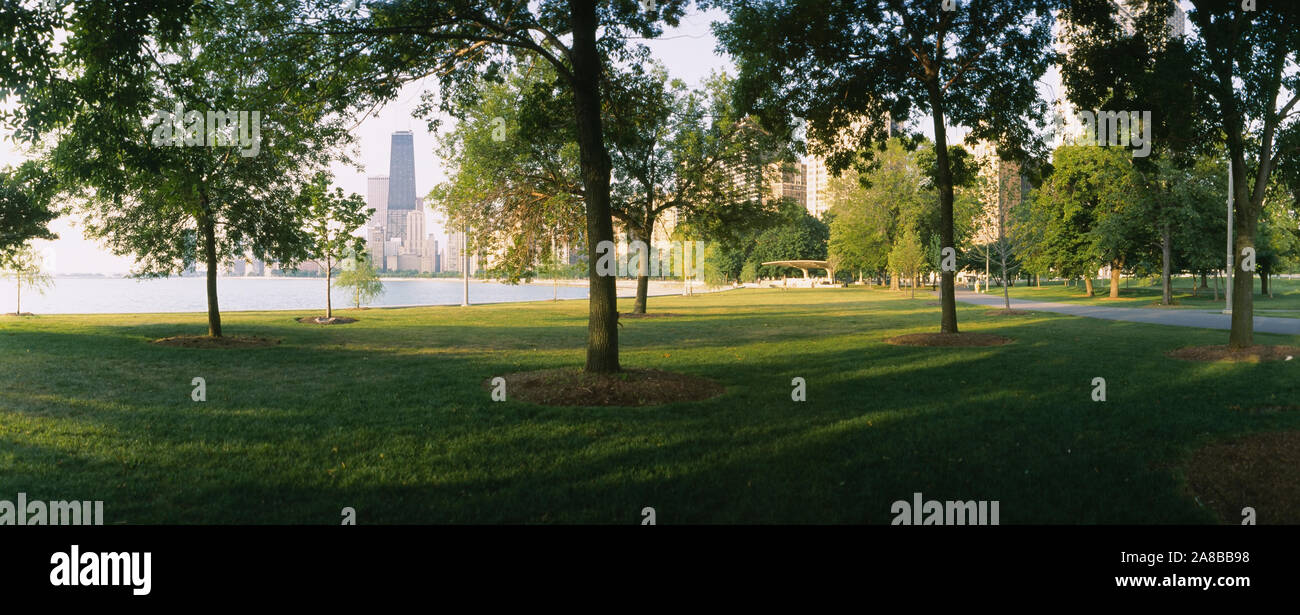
[(1155, 316)]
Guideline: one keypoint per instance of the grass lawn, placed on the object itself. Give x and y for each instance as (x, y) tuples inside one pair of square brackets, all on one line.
[(1285, 301), (389, 415)]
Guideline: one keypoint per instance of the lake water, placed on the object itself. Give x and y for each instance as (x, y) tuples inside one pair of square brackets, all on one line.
[(125, 295)]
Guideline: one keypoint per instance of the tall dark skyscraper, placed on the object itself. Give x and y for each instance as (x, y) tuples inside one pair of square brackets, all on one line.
[(401, 182)]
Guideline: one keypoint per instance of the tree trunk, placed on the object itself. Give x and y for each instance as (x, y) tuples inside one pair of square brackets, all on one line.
[(602, 319), (1216, 287), (1087, 285), (1006, 294), (208, 227), (987, 277), (19, 281), (948, 296), (643, 263), (893, 281), (1166, 252), (464, 266), (329, 302), (1242, 334), (1115, 268), (1263, 284)]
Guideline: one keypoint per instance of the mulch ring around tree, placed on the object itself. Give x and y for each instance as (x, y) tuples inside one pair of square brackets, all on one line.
[(1261, 471), (1253, 354), (1008, 313), (949, 339), (570, 386), (24, 314), (321, 320), (203, 341), (623, 315)]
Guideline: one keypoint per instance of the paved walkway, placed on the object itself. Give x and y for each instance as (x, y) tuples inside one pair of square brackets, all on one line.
[(1156, 316)]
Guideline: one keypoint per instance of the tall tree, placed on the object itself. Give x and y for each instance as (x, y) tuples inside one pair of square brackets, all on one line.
[(1127, 57), (1083, 215), (513, 170), (975, 65), (182, 148), (366, 55), (1244, 63), (679, 150)]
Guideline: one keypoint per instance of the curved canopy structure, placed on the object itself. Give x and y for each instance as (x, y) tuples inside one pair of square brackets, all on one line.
[(804, 266)]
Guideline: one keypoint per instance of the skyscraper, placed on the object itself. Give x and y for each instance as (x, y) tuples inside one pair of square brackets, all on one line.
[(401, 182), (396, 236), (377, 199)]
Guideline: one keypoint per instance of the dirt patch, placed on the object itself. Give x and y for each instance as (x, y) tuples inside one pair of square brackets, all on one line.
[(203, 341), (932, 304), (321, 320), (949, 339), (1261, 471), (623, 315), (632, 387), (1253, 354), (24, 314), (1008, 313)]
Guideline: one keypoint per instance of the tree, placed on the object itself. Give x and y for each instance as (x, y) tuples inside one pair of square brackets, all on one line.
[(365, 57), (835, 64), (25, 267), (1279, 238), (183, 148), (908, 256), (359, 276), (1080, 215), (999, 188), (1243, 61), (332, 218), (1136, 59), (803, 237), (676, 149), (513, 171), (26, 193)]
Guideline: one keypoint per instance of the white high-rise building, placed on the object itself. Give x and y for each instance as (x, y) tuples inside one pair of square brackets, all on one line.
[(817, 182)]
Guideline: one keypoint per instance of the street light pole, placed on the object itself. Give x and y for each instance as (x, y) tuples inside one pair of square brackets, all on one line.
[(1227, 298)]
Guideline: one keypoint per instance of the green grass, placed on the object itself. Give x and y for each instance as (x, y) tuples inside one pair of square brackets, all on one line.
[(388, 416), (1285, 301)]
